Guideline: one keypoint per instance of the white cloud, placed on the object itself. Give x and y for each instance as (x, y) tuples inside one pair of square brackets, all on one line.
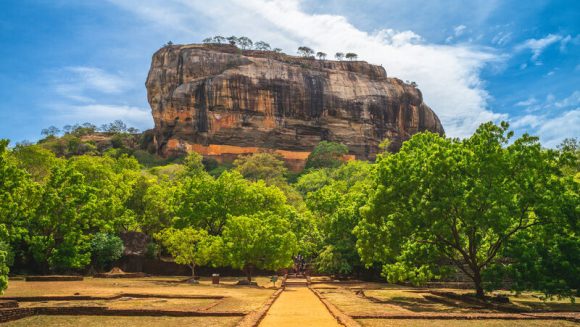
[(103, 113), (532, 121), (537, 46), (501, 38), (79, 83), (448, 75), (458, 30), (551, 124), (551, 130), (528, 102)]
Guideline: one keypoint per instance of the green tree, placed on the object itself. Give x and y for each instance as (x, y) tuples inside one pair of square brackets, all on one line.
[(339, 56), (326, 155), (219, 39), (321, 55), (245, 42), (206, 202), (152, 203), (335, 200), (193, 163), (18, 200), (3, 259), (261, 45), (305, 51), (457, 200), (50, 131), (190, 246), (36, 160), (268, 167), (233, 40), (105, 249), (59, 231), (351, 56), (259, 241), (547, 257)]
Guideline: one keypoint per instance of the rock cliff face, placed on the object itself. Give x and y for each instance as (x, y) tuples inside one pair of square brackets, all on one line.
[(221, 101)]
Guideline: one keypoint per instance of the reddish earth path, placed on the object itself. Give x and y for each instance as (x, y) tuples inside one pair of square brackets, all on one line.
[(298, 306)]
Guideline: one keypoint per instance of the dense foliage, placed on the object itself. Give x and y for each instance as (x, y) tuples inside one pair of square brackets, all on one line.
[(105, 249), (463, 201), (498, 209)]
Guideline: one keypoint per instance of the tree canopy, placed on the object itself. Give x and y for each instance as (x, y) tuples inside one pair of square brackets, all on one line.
[(259, 241), (460, 201)]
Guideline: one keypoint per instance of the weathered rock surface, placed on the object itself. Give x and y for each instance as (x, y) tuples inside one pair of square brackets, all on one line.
[(220, 101)]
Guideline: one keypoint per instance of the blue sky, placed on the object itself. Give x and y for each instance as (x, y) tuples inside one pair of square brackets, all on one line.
[(65, 62)]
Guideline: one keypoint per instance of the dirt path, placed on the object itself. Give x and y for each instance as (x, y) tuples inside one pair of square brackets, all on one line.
[(298, 306)]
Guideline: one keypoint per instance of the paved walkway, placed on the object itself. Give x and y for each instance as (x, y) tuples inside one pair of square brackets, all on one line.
[(298, 306)]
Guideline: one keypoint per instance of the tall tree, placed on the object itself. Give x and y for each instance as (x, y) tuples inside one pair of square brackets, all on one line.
[(190, 246), (457, 200), (219, 39), (245, 42), (339, 56), (233, 40), (305, 51), (259, 241), (36, 160), (268, 167), (105, 249), (18, 201), (207, 202), (326, 155), (351, 56), (335, 203), (261, 45)]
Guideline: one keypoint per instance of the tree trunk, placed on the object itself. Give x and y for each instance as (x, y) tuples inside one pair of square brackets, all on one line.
[(192, 266), (479, 293), (249, 269)]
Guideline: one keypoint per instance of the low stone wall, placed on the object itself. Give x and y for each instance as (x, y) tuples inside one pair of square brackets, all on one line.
[(125, 275), (19, 313), (113, 297), (54, 278), (8, 304)]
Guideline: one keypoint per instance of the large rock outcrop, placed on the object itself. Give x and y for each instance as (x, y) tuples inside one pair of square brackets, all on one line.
[(222, 101)]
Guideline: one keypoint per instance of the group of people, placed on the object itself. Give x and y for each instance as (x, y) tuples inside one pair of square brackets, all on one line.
[(299, 264)]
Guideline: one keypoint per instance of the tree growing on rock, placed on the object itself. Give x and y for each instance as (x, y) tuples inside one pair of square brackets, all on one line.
[(262, 46), (219, 39), (245, 42), (339, 56), (50, 131), (321, 55), (351, 56), (233, 40), (305, 52), (460, 201)]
